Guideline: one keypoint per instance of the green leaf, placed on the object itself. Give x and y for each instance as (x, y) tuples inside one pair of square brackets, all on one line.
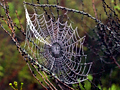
[(1, 74), (90, 77), (99, 87), (1, 53), (116, 7), (87, 85), (1, 68), (112, 1), (113, 87)]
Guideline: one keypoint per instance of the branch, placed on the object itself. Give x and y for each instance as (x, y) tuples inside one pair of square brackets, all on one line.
[(94, 9), (116, 62)]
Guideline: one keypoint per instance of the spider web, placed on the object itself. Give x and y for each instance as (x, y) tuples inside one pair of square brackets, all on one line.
[(57, 47)]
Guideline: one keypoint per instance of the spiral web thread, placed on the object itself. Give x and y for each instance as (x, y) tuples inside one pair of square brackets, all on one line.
[(57, 47)]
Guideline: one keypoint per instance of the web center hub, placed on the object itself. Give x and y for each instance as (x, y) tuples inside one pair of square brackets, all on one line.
[(56, 50)]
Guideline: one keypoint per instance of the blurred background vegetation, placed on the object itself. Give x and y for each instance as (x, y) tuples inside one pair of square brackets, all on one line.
[(14, 68)]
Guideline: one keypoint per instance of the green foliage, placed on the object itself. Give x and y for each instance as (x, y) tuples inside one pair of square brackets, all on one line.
[(20, 12), (24, 74), (113, 87), (87, 83), (1, 69), (116, 6), (90, 77)]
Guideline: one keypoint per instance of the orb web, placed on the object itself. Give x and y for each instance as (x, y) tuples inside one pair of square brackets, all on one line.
[(57, 47)]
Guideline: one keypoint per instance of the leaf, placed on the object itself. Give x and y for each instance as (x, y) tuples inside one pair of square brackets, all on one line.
[(1, 53), (87, 85), (90, 77), (112, 1), (113, 87), (1, 68), (1, 74), (116, 7)]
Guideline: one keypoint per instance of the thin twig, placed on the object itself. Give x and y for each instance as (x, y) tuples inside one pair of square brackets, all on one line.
[(49, 81), (20, 22), (93, 4)]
